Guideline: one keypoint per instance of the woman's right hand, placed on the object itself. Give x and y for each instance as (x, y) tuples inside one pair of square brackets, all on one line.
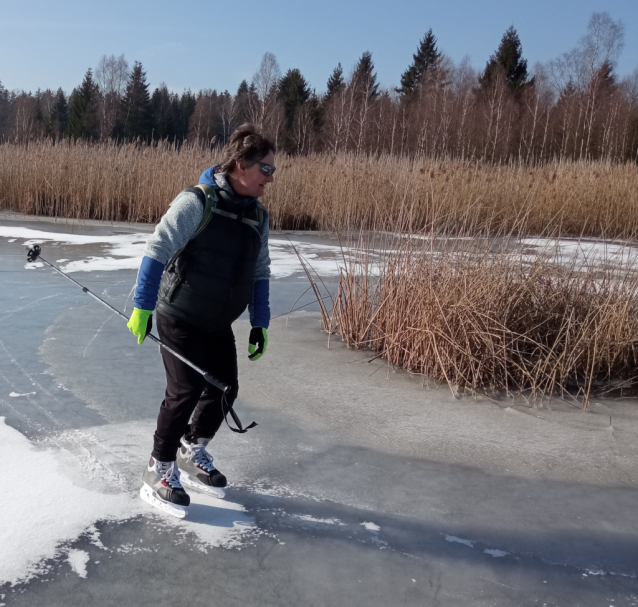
[(140, 323)]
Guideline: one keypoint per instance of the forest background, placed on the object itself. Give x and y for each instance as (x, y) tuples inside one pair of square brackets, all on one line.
[(574, 107)]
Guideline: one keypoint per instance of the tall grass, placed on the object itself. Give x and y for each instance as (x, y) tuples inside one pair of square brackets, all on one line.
[(136, 183)]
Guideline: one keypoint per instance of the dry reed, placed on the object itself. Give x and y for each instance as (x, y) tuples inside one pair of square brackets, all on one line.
[(463, 312), (136, 183), (485, 317)]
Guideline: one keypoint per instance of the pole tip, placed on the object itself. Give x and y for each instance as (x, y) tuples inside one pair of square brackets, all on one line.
[(33, 253)]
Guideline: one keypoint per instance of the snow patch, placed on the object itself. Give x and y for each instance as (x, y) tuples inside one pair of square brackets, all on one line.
[(459, 540), (322, 521), (125, 252), (15, 395), (128, 247), (33, 266), (371, 527), (497, 554), (56, 510), (324, 260), (104, 264), (47, 513), (78, 560)]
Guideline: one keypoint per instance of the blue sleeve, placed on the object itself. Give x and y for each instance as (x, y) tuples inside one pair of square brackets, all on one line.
[(148, 282), (207, 177), (260, 313)]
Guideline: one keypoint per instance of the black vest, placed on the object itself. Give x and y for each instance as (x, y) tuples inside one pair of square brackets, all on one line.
[(209, 283)]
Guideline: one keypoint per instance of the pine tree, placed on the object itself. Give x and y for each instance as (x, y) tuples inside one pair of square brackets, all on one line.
[(135, 116), (508, 60), (83, 118), (425, 59)]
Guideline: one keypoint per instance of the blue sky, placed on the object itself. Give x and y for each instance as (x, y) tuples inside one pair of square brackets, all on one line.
[(211, 44)]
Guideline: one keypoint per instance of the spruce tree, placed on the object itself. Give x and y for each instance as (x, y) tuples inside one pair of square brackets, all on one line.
[(425, 59), (135, 116), (605, 79), (59, 115), (364, 79), (164, 126), (185, 109), (83, 117), (241, 102), (293, 91), (507, 60), (4, 111), (335, 83)]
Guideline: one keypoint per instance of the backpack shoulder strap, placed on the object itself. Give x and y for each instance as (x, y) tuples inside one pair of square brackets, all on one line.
[(208, 197), (261, 211)]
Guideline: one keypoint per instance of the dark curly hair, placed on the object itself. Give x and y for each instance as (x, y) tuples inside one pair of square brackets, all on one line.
[(246, 146)]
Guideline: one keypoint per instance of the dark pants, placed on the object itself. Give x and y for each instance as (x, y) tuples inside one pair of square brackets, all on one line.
[(187, 392)]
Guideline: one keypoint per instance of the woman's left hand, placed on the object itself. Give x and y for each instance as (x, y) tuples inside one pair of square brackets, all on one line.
[(257, 343)]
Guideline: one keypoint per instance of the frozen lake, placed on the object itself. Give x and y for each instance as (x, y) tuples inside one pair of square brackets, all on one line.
[(358, 487)]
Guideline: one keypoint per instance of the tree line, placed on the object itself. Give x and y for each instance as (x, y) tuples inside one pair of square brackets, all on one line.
[(574, 107)]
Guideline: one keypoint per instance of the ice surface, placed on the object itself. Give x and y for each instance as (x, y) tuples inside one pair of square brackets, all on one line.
[(47, 508), (417, 459), (125, 252), (583, 252)]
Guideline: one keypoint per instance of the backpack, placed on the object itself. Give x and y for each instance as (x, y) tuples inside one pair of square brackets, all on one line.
[(209, 198)]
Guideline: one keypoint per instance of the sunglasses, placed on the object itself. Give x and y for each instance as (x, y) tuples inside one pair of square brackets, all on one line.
[(266, 169)]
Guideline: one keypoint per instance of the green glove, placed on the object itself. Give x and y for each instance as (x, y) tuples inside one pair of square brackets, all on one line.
[(140, 323), (257, 343)]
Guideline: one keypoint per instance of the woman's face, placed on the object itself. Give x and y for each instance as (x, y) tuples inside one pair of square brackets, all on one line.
[(250, 181)]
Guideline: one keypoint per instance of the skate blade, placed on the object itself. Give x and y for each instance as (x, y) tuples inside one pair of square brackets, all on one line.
[(150, 496), (189, 481)]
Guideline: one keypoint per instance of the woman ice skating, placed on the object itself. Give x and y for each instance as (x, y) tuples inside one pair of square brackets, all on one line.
[(205, 263)]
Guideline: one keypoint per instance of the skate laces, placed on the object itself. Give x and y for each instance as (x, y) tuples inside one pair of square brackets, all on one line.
[(201, 456), (169, 472)]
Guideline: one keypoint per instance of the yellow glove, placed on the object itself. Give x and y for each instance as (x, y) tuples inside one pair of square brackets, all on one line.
[(257, 343), (140, 323)]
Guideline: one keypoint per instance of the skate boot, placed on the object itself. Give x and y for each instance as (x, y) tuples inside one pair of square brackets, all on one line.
[(198, 471), (162, 488)]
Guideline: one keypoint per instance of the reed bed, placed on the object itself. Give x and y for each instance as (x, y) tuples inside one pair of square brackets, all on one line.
[(490, 318), (136, 183), (475, 312)]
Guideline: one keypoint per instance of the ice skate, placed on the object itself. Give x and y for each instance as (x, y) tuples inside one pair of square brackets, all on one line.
[(198, 471), (162, 488)]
